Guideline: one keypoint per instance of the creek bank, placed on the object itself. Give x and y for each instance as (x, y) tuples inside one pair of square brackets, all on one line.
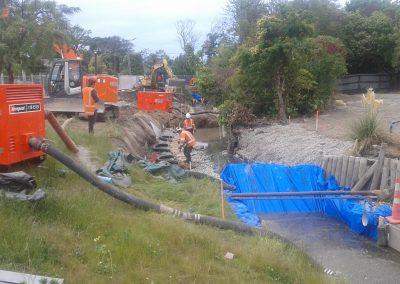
[(140, 131), (287, 144)]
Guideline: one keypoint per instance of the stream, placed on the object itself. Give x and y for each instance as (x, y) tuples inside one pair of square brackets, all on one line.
[(340, 251), (217, 146)]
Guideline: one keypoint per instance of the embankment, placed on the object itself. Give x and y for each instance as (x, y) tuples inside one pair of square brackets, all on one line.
[(290, 144)]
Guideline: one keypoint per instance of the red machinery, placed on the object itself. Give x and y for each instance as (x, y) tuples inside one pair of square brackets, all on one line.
[(22, 116), (154, 101)]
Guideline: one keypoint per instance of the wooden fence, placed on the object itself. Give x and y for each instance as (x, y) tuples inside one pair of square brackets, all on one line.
[(361, 82)]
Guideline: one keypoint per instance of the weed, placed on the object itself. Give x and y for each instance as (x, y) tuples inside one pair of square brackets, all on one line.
[(105, 264), (367, 130)]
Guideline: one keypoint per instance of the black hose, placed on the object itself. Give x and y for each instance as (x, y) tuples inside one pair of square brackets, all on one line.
[(111, 190)]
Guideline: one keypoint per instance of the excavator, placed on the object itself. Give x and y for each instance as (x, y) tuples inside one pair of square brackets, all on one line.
[(157, 79), (66, 81)]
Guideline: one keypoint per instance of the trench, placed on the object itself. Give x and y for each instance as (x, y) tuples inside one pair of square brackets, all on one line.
[(341, 252)]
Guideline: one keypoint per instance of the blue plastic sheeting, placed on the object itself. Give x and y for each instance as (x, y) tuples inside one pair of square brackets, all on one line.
[(196, 96), (250, 178)]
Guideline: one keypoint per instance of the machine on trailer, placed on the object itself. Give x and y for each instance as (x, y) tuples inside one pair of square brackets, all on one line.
[(67, 79)]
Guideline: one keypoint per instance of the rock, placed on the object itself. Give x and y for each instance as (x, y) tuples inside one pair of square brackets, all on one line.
[(340, 103), (229, 255)]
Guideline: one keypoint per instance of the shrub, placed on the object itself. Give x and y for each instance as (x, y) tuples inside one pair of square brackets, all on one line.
[(367, 130)]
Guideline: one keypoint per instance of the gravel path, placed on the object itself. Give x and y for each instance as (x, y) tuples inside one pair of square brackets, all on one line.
[(291, 144)]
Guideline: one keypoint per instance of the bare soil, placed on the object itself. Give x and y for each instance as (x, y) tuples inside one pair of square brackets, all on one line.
[(337, 122), (300, 143)]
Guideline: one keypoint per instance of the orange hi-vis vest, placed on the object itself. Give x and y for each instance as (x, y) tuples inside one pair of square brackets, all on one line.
[(188, 123), (187, 138), (89, 105)]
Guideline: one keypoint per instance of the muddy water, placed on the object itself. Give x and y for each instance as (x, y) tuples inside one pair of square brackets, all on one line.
[(349, 256), (216, 146), (332, 244)]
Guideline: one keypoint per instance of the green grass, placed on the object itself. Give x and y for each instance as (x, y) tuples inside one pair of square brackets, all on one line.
[(81, 234)]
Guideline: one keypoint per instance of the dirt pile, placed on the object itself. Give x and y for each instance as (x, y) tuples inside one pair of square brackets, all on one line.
[(291, 144)]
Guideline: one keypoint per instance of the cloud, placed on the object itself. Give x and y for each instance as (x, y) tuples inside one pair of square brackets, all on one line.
[(150, 22)]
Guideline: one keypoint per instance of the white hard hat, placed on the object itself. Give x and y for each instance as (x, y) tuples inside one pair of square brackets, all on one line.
[(188, 115)]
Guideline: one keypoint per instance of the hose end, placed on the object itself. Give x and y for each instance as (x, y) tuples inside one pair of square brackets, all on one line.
[(36, 143)]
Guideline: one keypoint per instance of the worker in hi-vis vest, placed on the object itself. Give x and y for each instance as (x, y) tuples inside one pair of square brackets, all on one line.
[(188, 124), (91, 103), (187, 142)]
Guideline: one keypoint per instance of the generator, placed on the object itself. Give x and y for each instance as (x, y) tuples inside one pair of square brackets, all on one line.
[(155, 101), (22, 116)]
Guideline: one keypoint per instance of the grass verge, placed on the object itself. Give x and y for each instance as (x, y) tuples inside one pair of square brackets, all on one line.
[(81, 234)]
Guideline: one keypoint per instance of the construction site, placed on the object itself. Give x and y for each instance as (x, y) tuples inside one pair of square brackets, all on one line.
[(270, 154)]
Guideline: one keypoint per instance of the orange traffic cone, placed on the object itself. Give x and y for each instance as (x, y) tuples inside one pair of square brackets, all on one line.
[(395, 218)]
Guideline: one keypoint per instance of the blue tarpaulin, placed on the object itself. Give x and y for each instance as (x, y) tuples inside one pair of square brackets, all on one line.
[(250, 178), (196, 96)]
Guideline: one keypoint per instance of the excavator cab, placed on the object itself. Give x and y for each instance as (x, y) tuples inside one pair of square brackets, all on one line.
[(68, 76), (65, 78)]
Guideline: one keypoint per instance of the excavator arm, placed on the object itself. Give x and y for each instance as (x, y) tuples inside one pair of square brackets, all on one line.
[(151, 80), (66, 52)]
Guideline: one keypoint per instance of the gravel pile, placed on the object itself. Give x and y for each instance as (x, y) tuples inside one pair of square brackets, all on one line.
[(291, 144), (202, 163)]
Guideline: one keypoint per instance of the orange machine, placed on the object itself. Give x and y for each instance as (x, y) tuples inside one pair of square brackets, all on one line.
[(22, 116), (106, 87), (66, 81), (154, 101)]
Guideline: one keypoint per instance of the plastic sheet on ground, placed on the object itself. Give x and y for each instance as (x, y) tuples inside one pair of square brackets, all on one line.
[(116, 168), (165, 168), (249, 178)]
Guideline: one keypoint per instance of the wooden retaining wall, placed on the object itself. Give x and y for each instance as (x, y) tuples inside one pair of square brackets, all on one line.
[(348, 170)]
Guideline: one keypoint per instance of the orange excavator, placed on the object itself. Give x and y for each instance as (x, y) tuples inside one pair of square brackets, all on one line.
[(66, 81)]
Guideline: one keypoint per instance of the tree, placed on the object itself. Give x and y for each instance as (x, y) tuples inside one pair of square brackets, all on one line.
[(187, 62), (27, 34), (368, 7), (133, 60), (280, 47), (370, 42), (324, 14), (113, 50), (214, 40), (243, 16), (288, 70), (186, 33), (152, 58)]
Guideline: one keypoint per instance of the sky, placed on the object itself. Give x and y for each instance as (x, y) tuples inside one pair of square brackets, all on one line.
[(149, 23)]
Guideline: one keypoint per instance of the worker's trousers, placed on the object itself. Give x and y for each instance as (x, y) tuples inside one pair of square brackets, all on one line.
[(92, 121), (187, 150)]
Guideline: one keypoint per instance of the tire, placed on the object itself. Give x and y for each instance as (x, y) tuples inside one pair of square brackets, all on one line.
[(161, 150), (165, 157)]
